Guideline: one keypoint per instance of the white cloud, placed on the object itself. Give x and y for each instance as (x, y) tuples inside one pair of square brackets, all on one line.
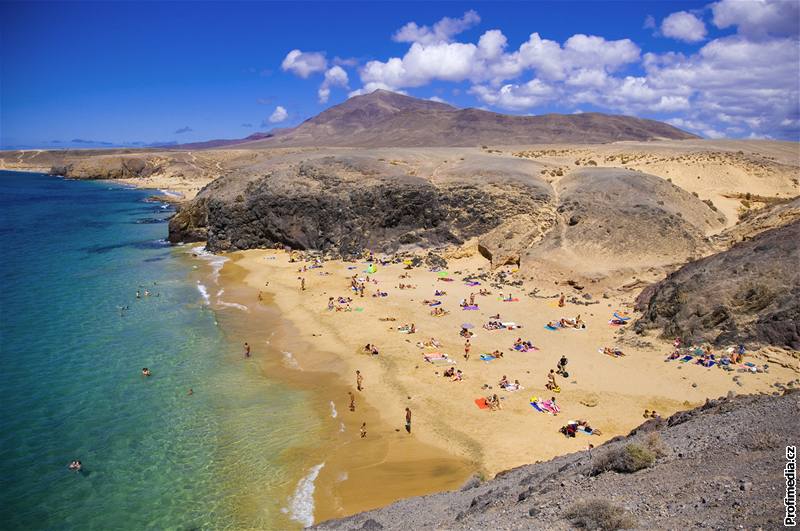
[(758, 18), (304, 64), (442, 31), (516, 97), (683, 26), (437, 99), (334, 77), (278, 115), (737, 85)]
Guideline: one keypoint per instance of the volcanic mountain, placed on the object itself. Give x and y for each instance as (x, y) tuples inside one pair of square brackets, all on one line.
[(388, 119)]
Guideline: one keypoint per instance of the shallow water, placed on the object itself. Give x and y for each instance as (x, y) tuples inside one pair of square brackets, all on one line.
[(75, 252)]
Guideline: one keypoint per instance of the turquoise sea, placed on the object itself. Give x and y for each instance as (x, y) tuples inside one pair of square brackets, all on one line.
[(154, 457)]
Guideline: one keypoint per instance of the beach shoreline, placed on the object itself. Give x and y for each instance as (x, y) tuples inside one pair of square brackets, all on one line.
[(610, 393)]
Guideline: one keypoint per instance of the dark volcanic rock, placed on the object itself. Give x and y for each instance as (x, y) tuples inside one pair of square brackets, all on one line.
[(189, 222), (348, 204), (749, 293)]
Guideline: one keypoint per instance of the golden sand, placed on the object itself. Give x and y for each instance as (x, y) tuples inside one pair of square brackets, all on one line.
[(451, 436)]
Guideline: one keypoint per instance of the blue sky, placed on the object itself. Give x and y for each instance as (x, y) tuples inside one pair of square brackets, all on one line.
[(78, 74)]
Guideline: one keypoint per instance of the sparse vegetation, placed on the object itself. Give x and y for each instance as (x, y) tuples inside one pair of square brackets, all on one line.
[(599, 514), (631, 457)]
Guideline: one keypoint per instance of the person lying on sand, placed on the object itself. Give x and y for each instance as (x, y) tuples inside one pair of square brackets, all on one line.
[(466, 333), (450, 372), (458, 376), (497, 354), (439, 293), (392, 319), (503, 382), (613, 352), (484, 292), (371, 349), (438, 312), (407, 329)]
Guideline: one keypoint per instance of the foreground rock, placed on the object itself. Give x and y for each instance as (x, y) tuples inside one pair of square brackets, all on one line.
[(718, 466), (749, 294)]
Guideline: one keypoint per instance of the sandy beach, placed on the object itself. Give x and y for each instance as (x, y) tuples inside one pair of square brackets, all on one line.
[(451, 436)]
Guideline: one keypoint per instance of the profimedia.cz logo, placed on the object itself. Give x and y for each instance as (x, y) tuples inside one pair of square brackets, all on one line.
[(790, 473)]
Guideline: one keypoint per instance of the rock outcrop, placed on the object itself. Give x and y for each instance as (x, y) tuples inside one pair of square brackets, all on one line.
[(748, 294), (349, 203), (718, 466)]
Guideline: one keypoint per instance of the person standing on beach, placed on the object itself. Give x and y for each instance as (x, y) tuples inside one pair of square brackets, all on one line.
[(302, 283), (561, 301), (467, 347), (352, 400), (363, 430), (246, 350), (359, 381), (408, 420)]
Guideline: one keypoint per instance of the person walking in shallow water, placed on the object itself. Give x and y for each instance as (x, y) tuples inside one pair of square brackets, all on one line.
[(363, 430), (246, 350), (408, 420), (359, 381)]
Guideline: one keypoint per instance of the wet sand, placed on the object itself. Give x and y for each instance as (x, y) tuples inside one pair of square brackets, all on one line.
[(358, 474)]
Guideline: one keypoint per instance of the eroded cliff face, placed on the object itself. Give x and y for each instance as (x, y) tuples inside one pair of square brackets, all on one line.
[(346, 204), (749, 293)]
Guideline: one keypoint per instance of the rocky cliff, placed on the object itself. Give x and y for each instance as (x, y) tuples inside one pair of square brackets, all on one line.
[(749, 293), (719, 466)]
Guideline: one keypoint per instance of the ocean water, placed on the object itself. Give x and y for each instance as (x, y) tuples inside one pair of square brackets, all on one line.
[(73, 254)]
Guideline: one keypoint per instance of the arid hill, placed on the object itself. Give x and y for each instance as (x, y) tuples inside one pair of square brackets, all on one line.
[(388, 119)]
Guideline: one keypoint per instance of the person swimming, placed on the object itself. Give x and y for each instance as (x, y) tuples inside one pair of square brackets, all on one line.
[(75, 465), (146, 372)]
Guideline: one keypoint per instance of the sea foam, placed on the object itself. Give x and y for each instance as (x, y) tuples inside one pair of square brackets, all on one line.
[(334, 414), (204, 292), (301, 505)]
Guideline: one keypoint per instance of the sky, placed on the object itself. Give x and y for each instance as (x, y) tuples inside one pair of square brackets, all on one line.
[(114, 73)]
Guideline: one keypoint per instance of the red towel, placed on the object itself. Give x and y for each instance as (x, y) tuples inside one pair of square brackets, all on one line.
[(481, 403)]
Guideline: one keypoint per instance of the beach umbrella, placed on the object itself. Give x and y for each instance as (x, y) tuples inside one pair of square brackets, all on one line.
[(467, 326)]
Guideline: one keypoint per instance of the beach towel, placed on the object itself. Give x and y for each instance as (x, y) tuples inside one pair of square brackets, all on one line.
[(537, 407), (620, 317), (358, 309), (510, 326), (473, 307), (617, 322), (487, 357), (443, 273), (446, 279), (551, 328), (437, 303), (550, 406), (510, 300), (481, 403), (473, 284), (686, 358)]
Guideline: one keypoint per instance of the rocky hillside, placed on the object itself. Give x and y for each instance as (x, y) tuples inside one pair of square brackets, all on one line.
[(719, 466), (385, 118), (749, 293), (346, 202)]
